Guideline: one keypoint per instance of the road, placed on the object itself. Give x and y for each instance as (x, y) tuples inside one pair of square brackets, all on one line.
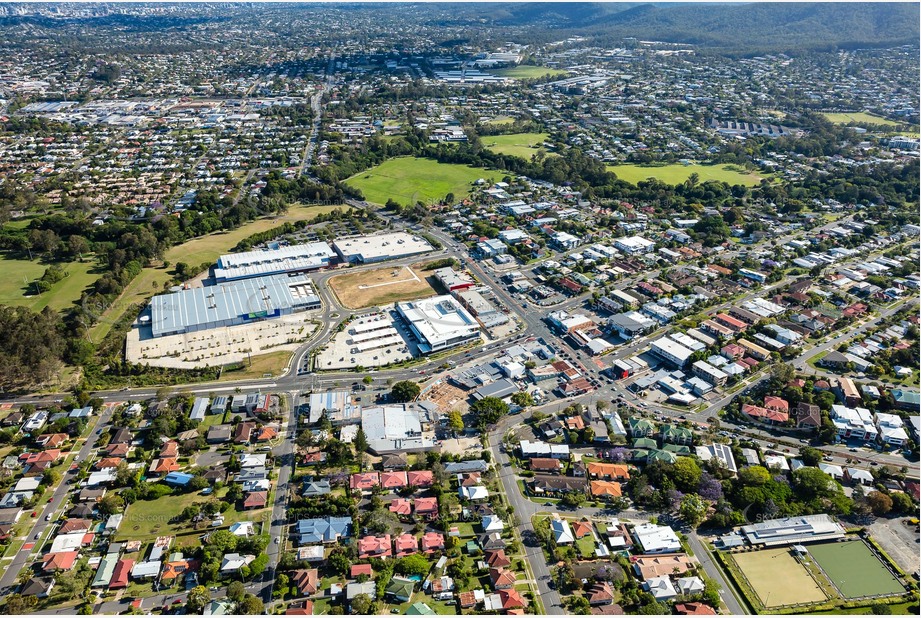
[(716, 574), (59, 497), (525, 509)]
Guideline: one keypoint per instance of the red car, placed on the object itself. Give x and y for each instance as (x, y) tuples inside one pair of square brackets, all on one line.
[(34, 513)]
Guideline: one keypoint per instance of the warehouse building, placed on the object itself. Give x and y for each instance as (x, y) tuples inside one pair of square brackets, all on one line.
[(336, 405), (380, 247), (230, 304), (296, 258), (438, 323), (399, 428)]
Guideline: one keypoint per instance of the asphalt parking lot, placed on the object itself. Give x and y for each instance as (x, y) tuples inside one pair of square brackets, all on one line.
[(899, 541)]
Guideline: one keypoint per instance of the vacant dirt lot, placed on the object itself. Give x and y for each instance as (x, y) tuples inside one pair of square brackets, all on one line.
[(381, 286)]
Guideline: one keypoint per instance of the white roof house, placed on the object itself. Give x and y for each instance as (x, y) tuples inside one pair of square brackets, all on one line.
[(656, 539), (776, 461), (562, 532), (475, 492), (491, 523), (67, 542), (151, 568), (690, 585), (243, 528), (721, 452), (661, 588), (861, 476), (235, 562)]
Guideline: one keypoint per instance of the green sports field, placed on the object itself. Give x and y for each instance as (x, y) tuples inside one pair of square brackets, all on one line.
[(523, 145), (410, 179), (677, 173), (527, 72), (777, 578), (858, 118), (16, 288), (854, 569)]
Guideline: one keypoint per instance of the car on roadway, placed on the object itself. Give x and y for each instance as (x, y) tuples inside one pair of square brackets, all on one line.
[(48, 517), (853, 450)]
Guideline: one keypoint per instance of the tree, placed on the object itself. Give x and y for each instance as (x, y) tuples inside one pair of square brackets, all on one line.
[(810, 456), (199, 596), (361, 441), (901, 503), (123, 475), (782, 372), (236, 591), (18, 604), (573, 499), (881, 609), (686, 474), (415, 564), (339, 560), (51, 477), (258, 566), (222, 541), (523, 399), (111, 504), (405, 390), (367, 380), (251, 605), (693, 509), (489, 410), (879, 502), (361, 605), (455, 420)]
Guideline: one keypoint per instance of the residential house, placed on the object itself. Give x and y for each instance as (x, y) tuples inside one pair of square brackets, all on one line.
[(374, 547), (501, 578), (404, 545), (307, 581)]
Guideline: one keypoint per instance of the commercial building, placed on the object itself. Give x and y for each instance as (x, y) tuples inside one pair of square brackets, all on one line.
[(672, 351), (380, 247), (295, 258), (399, 428), (453, 280), (439, 323), (634, 245), (230, 304), (631, 324), (486, 313)]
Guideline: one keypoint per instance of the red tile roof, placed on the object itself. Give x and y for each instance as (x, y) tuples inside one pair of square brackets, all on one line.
[(61, 561), (120, 575)]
